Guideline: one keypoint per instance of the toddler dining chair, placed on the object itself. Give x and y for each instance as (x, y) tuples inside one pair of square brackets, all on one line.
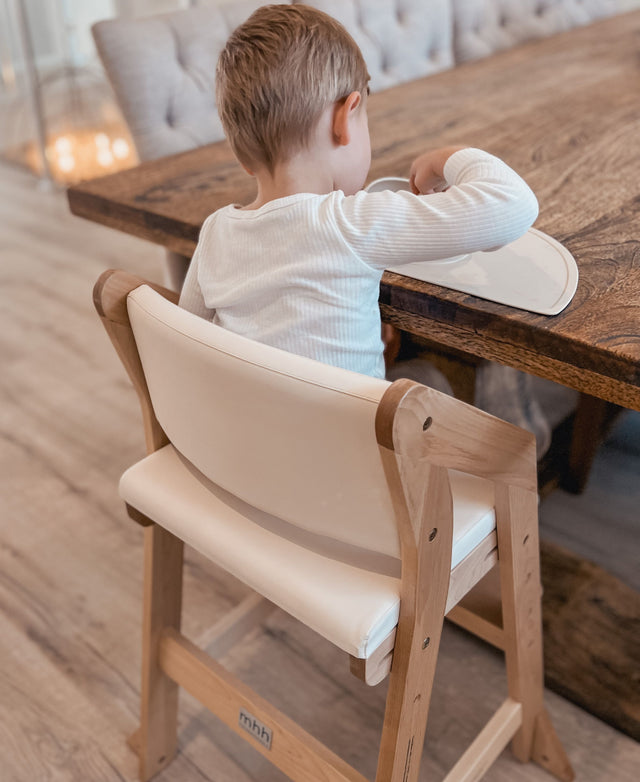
[(364, 509)]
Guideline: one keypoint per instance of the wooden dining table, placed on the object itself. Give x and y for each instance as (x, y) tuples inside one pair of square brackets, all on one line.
[(564, 112)]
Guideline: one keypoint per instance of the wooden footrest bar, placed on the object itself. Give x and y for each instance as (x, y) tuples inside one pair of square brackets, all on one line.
[(489, 743), (298, 754)]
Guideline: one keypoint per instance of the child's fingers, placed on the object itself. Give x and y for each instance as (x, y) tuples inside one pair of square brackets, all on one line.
[(427, 170), (423, 186)]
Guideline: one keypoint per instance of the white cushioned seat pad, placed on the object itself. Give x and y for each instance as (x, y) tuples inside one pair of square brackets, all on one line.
[(347, 595)]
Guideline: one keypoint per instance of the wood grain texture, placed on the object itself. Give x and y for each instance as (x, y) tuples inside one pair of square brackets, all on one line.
[(290, 748), (562, 111), (426, 559), (162, 609), (592, 638), (415, 463), (519, 554), (488, 744)]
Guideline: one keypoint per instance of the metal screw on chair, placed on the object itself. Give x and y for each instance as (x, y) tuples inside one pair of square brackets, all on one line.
[(426, 643), (433, 534), (427, 423)]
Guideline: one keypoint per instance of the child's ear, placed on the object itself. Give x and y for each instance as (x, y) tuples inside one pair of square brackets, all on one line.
[(342, 114)]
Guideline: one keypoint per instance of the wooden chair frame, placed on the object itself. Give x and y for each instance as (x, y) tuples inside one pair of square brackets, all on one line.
[(421, 435), (590, 421)]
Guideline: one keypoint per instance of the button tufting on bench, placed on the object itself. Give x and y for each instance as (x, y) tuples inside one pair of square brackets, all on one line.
[(486, 26), (394, 36)]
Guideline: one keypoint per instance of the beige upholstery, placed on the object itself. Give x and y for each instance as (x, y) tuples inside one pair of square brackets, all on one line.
[(346, 594), (206, 395), (299, 506)]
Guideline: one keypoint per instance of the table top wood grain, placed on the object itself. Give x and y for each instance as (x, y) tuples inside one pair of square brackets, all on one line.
[(564, 112)]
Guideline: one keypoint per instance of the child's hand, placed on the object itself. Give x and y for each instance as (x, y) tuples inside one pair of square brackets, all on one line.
[(427, 171)]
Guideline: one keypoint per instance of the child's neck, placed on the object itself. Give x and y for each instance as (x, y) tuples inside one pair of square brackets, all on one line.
[(304, 173)]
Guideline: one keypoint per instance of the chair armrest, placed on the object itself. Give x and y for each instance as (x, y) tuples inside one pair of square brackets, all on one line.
[(422, 424)]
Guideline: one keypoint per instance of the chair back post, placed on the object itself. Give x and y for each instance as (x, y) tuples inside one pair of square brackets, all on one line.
[(156, 740), (110, 300), (422, 500)]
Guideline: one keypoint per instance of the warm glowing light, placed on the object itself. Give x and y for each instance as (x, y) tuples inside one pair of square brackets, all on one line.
[(102, 140), (104, 157), (86, 153), (120, 148), (63, 145), (66, 163)]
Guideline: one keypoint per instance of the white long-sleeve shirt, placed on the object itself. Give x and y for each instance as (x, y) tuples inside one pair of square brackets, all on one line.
[(303, 272)]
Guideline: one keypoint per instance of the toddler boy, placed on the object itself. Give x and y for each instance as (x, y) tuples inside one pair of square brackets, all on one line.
[(299, 268)]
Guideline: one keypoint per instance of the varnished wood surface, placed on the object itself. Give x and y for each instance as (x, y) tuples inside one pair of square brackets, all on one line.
[(564, 112), (592, 626), (70, 559)]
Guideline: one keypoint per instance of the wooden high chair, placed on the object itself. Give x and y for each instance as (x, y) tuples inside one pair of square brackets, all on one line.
[(365, 509)]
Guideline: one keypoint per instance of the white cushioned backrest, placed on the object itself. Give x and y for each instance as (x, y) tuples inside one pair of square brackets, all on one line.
[(482, 27), (162, 69), (289, 435), (400, 39)]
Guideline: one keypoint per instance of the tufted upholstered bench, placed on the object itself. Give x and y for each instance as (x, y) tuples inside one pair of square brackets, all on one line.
[(482, 27)]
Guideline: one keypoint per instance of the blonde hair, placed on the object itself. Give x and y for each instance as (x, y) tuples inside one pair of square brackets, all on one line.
[(276, 75)]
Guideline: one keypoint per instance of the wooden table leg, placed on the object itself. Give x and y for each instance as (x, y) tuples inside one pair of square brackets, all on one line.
[(591, 422)]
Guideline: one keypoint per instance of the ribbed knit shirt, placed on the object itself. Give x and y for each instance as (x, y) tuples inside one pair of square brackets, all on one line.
[(302, 273)]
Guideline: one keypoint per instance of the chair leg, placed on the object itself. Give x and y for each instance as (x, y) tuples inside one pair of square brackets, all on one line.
[(410, 687), (163, 558), (417, 642), (519, 553)]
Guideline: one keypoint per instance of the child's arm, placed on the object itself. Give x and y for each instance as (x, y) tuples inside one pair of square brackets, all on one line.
[(485, 206)]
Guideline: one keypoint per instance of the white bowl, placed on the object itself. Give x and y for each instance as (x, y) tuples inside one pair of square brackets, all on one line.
[(393, 183)]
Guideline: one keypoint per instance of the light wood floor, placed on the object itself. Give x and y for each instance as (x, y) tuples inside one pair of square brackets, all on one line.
[(70, 561)]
